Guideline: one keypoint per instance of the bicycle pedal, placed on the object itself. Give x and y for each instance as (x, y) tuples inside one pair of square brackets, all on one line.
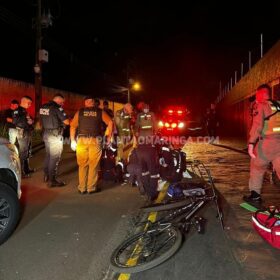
[(199, 223)]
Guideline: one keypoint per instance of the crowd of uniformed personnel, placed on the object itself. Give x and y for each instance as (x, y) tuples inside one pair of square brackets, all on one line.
[(91, 129)]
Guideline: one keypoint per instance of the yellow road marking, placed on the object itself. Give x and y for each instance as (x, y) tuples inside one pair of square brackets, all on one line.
[(152, 217)]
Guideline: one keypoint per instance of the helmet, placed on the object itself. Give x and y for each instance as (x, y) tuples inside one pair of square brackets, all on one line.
[(174, 191), (146, 108), (140, 106)]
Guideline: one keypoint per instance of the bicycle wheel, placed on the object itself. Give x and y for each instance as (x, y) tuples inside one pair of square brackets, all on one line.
[(164, 206), (145, 250)]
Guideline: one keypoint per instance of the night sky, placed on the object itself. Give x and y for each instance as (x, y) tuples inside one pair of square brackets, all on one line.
[(179, 49)]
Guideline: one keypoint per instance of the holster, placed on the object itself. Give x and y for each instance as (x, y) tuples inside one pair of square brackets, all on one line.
[(20, 133)]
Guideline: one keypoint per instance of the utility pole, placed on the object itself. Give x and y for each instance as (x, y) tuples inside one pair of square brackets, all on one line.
[(261, 45), (128, 94), (38, 62), (250, 60)]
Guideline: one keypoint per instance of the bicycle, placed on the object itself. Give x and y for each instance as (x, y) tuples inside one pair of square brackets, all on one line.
[(161, 239)]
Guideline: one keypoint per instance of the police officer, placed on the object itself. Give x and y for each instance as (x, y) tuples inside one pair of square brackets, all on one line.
[(23, 123), (264, 141), (124, 129), (87, 125), (96, 103), (107, 110), (212, 122), (9, 121), (146, 151), (53, 119)]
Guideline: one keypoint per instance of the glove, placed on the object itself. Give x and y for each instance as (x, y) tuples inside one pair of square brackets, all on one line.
[(251, 151), (73, 145)]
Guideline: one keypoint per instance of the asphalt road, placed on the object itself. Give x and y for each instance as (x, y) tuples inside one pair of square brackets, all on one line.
[(65, 235)]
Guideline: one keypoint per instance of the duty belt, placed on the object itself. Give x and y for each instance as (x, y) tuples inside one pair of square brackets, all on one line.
[(54, 131), (88, 135)]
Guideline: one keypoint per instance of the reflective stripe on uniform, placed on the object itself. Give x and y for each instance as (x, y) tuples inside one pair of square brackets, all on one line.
[(165, 149), (121, 164), (276, 129), (145, 173), (155, 176), (113, 149), (146, 126), (144, 116)]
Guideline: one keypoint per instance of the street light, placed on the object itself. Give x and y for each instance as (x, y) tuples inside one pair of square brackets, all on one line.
[(132, 85)]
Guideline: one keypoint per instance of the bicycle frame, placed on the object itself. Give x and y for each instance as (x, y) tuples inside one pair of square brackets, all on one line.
[(187, 211)]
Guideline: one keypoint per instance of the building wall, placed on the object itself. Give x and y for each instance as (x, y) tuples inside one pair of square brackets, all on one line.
[(12, 89), (235, 106)]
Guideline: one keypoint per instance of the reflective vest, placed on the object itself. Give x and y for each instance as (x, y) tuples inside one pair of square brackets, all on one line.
[(272, 122), (90, 122), (124, 123), (146, 124)]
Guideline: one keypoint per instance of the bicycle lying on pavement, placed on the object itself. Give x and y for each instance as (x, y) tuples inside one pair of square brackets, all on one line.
[(161, 239)]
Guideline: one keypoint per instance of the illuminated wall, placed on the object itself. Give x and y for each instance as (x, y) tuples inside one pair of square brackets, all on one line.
[(235, 106), (12, 89)]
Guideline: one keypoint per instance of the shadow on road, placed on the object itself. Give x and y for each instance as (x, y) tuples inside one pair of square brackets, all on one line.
[(33, 201)]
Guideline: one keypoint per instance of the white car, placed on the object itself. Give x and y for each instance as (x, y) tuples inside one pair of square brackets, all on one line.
[(10, 191)]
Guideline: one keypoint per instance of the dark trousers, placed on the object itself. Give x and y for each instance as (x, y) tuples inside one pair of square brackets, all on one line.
[(135, 173), (54, 147), (147, 156), (23, 143)]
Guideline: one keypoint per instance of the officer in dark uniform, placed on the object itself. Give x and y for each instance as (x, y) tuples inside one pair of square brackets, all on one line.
[(24, 126), (109, 112), (9, 121), (53, 119), (106, 108), (96, 103), (146, 151), (87, 125), (212, 122)]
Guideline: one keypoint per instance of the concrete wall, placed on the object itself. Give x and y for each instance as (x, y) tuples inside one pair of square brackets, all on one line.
[(12, 89), (235, 106)]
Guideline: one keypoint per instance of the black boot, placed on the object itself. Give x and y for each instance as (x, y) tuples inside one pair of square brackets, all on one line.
[(24, 174), (27, 169), (55, 183), (254, 197)]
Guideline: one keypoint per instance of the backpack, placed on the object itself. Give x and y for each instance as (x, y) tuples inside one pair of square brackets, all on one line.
[(110, 171), (172, 164), (267, 225)]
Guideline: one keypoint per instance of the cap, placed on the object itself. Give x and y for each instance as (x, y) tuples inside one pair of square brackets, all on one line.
[(14, 101), (88, 97)]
